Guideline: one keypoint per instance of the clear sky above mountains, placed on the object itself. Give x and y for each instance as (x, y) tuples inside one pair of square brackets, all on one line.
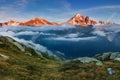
[(59, 10)]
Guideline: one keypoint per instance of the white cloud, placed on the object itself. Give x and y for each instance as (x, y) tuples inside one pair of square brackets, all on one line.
[(102, 7), (27, 33), (100, 33), (107, 13), (66, 5), (72, 39), (96, 13), (93, 9), (22, 2), (112, 16), (72, 35), (13, 10)]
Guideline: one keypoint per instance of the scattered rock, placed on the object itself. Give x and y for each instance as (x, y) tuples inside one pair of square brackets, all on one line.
[(108, 56), (4, 56), (28, 53), (110, 71), (18, 45), (117, 59), (89, 60), (114, 55)]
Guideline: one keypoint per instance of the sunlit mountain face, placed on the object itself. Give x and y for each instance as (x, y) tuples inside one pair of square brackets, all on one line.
[(71, 42)]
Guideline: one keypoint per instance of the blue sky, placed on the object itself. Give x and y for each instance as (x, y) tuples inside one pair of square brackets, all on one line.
[(59, 10)]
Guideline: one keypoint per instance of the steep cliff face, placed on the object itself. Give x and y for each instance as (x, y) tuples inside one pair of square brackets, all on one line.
[(87, 20), (80, 20)]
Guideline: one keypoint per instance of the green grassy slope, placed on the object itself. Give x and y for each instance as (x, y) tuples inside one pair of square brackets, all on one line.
[(18, 62)]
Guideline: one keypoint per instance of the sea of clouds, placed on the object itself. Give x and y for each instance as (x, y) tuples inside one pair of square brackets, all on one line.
[(68, 41)]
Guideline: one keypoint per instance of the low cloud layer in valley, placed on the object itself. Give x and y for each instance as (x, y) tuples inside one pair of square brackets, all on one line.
[(71, 42)]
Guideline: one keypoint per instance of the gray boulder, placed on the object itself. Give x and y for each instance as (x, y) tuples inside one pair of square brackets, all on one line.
[(89, 60), (117, 59), (108, 56), (110, 71)]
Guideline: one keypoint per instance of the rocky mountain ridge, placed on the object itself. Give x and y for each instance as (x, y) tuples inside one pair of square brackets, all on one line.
[(80, 20), (77, 20)]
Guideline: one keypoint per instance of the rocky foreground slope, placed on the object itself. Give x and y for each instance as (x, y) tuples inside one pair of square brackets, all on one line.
[(18, 62)]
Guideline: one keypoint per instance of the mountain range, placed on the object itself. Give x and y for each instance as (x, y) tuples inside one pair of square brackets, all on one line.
[(77, 20)]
